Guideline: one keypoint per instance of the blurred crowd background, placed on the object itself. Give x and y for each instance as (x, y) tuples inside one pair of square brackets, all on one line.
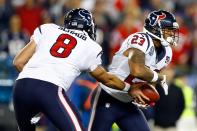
[(115, 19)]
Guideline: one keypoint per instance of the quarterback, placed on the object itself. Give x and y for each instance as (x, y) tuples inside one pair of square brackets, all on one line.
[(49, 63)]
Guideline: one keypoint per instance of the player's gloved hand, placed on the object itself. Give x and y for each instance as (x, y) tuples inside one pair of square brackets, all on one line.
[(164, 85), (139, 104), (138, 98)]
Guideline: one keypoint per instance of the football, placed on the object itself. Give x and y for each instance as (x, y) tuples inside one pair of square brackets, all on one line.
[(150, 91)]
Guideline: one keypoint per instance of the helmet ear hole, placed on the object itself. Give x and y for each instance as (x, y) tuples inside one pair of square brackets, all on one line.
[(147, 21)]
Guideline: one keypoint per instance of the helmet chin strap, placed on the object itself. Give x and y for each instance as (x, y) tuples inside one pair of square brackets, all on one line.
[(163, 41)]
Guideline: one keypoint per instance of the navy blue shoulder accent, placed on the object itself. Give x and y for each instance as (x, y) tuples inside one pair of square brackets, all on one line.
[(161, 53), (146, 35), (101, 53), (40, 29)]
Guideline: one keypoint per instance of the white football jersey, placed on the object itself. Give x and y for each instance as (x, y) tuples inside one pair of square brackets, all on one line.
[(61, 54), (155, 60)]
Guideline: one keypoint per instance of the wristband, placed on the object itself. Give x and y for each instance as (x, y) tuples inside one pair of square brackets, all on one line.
[(155, 76), (127, 87)]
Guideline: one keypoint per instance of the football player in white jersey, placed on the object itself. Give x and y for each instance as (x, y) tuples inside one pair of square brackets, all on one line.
[(49, 63), (141, 56)]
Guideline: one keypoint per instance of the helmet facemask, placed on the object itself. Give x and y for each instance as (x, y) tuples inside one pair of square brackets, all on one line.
[(171, 35)]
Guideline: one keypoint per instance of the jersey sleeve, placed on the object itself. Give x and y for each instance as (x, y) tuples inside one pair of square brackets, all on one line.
[(42, 30), (139, 41), (95, 58), (37, 34)]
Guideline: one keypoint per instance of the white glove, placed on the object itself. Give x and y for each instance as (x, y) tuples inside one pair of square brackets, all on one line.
[(140, 105), (36, 118), (164, 85)]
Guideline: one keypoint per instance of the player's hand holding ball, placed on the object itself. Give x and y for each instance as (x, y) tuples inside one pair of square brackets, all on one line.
[(144, 94), (137, 95)]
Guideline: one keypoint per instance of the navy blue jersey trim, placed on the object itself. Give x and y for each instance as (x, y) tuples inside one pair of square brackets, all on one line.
[(146, 35), (40, 29), (161, 53), (99, 54)]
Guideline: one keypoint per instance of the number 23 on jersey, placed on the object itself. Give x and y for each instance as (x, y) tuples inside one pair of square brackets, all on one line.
[(138, 39)]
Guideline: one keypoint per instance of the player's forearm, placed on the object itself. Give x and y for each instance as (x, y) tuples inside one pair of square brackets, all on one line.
[(138, 68), (114, 82), (19, 63), (110, 80), (146, 74)]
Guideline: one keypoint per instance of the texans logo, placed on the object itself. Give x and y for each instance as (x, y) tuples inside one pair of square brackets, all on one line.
[(154, 18), (85, 15), (161, 17)]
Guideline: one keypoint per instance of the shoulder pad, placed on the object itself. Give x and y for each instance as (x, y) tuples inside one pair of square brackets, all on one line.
[(140, 40)]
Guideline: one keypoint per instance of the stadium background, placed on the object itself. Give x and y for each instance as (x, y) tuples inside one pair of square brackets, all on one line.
[(116, 19)]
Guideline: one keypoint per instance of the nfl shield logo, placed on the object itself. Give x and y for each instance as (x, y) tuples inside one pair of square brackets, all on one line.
[(167, 59)]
